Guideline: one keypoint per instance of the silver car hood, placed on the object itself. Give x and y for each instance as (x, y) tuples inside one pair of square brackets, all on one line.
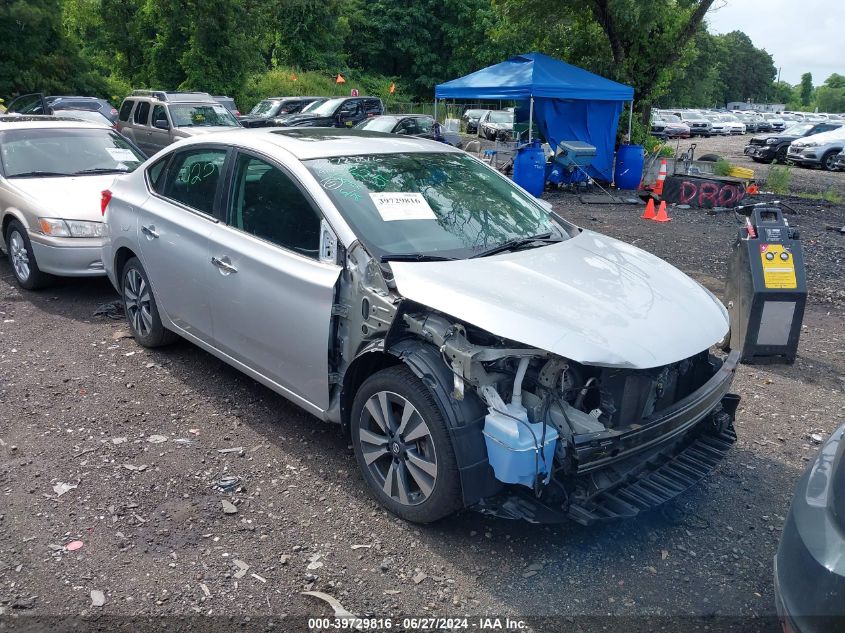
[(591, 299), (71, 198)]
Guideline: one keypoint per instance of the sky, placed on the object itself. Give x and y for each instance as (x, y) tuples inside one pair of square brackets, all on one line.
[(801, 35)]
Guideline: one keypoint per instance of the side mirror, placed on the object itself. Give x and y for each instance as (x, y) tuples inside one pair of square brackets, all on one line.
[(402, 131), (162, 124)]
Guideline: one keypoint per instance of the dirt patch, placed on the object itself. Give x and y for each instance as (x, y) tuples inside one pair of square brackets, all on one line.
[(80, 404)]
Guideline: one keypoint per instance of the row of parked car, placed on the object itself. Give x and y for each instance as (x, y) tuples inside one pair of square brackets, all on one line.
[(689, 123), (407, 291), (153, 119), (805, 144)]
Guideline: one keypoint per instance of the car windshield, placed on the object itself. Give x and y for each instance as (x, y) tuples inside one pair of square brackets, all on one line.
[(501, 117), (65, 152), (378, 124), (798, 130), (474, 114), (205, 115), (670, 118), (327, 108), (313, 105), (429, 204), (267, 107)]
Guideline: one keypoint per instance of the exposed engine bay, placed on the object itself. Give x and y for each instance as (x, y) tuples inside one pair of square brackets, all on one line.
[(560, 435)]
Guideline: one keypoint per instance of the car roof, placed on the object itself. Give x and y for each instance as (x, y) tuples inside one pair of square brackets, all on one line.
[(307, 143), (28, 122)]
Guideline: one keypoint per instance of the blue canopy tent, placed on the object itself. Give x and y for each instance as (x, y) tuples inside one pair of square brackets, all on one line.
[(569, 103)]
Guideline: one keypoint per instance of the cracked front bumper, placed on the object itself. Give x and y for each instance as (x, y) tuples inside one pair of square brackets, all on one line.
[(620, 474)]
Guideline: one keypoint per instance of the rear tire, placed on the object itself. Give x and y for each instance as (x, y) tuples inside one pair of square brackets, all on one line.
[(22, 259), (140, 307), (403, 447)]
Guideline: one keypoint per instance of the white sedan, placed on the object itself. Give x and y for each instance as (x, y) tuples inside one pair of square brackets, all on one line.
[(52, 174)]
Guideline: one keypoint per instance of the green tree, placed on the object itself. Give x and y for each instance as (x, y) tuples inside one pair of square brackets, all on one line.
[(424, 41), (835, 81), (642, 42), (306, 34), (806, 89), (746, 71), (37, 54)]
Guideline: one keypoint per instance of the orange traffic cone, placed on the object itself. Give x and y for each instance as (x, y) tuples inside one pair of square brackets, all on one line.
[(752, 189), (662, 216), (649, 210), (661, 176)]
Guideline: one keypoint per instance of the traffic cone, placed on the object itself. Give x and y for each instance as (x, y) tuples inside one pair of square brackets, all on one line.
[(662, 216), (661, 176), (649, 210), (752, 189)]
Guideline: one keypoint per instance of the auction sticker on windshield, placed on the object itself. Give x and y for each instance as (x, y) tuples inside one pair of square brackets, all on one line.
[(118, 153), (402, 206)]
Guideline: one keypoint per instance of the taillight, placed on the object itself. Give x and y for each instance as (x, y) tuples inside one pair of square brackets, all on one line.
[(113, 111), (104, 201), (237, 113), (117, 125)]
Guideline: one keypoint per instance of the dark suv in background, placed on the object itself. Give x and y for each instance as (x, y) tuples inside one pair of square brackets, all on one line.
[(35, 104), (340, 112), (266, 111), (765, 149)]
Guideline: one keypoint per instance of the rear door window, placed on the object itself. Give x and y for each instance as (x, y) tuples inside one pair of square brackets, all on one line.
[(194, 176), (142, 113), (125, 110)]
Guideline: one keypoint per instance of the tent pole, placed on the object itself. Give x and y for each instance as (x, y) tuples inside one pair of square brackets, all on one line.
[(530, 118), (435, 108), (630, 120)]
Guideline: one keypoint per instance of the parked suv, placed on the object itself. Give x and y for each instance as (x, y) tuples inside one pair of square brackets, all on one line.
[(765, 149), (266, 111), (155, 119), (476, 348), (36, 103), (342, 112), (818, 150)]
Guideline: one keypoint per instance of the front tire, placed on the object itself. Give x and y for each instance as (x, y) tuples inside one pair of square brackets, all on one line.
[(828, 161), (24, 266), (403, 447), (140, 307)]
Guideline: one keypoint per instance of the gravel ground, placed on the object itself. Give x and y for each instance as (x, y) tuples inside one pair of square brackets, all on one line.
[(804, 180), (141, 435)]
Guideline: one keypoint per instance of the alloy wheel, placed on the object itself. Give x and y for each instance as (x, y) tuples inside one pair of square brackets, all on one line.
[(136, 297), (19, 255), (397, 447), (830, 162)]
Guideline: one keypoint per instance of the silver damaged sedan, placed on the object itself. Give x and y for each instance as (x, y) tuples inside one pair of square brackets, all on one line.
[(480, 351)]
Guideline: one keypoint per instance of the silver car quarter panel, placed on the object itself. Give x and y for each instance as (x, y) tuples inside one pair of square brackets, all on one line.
[(272, 311)]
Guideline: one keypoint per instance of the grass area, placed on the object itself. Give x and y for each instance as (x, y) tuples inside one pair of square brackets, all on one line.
[(831, 195), (722, 167), (285, 82), (779, 180)]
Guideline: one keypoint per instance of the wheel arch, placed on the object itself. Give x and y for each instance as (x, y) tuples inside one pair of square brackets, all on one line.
[(464, 418), (121, 256)]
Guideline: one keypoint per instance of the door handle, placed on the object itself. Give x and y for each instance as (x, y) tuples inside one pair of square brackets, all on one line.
[(224, 265), (150, 231)]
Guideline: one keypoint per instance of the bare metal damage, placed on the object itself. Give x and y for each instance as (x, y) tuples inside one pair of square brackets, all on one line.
[(639, 380)]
